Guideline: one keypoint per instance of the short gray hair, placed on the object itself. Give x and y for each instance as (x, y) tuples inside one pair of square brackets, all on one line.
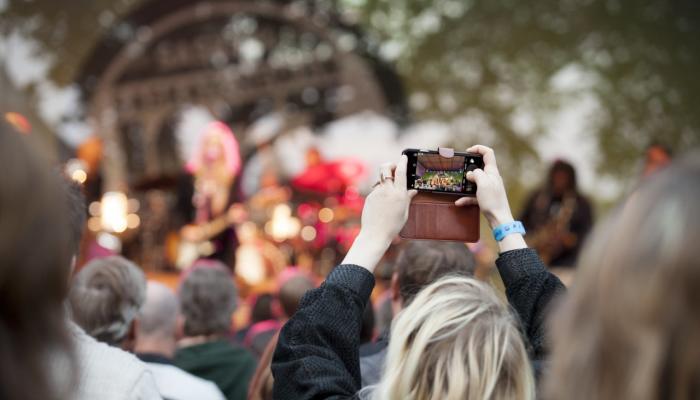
[(105, 298), (207, 299)]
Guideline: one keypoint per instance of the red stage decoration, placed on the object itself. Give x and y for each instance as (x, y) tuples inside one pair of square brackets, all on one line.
[(330, 177)]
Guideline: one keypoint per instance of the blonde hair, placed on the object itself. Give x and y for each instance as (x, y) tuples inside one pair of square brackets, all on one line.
[(456, 340)]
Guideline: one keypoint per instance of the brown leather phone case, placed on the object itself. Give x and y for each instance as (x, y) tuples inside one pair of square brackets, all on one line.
[(434, 216)]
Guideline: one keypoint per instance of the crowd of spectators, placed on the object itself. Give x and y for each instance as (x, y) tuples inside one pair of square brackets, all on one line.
[(626, 330)]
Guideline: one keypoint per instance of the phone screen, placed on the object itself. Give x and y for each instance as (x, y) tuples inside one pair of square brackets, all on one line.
[(428, 171)]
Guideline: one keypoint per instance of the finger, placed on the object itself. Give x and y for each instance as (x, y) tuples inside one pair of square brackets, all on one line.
[(473, 176), (466, 201), (400, 174), (412, 193), (385, 171), (476, 176), (489, 156), (470, 176)]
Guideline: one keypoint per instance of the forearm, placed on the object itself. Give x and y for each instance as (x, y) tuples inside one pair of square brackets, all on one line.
[(367, 250), (317, 354), (530, 289)]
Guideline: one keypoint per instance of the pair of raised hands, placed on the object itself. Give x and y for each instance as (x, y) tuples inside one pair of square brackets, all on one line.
[(386, 208)]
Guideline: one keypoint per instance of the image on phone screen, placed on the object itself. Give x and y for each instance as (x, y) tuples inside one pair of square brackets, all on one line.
[(437, 173), (430, 172)]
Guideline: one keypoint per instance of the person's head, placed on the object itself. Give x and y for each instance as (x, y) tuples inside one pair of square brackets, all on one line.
[(156, 327), (628, 329), (262, 308), (562, 178), (207, 301), (105, 299), (656, 157), (456, 340), (291, 292), (217, 147), (423, 262), (35, 255), (367, 330)]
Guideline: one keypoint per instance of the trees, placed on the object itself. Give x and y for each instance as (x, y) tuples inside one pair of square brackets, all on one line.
[(491, 67)]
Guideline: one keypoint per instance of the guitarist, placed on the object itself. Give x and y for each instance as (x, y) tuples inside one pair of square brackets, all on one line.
[(207, 196), (557, 217)]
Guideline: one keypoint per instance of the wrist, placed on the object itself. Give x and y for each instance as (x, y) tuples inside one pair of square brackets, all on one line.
[(374, 239), (496, 218), (367, 250)]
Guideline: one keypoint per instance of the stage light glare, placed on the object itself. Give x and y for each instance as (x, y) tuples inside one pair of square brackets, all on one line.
[(76, 169), (250, 265), (283, 226), (326, 215), (134, 205), (79, 176), (133, 221), (94, 224), (308, 233), (94, 208), (114, 211), (109, 242)]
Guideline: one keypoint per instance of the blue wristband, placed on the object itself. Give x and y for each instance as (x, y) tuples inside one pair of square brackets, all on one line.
[(503, 230)]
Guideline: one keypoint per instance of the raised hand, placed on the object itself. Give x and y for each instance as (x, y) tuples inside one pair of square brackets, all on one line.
[(383, 216), (490, 193)]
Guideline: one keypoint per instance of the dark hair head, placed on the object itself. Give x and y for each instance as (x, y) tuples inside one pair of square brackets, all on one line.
[(629, 327), (77, 213), (34, 271), (367, 330), (207, 300), (262, 308), (421, 263), (106, 296), (561, 166), (291, 293)]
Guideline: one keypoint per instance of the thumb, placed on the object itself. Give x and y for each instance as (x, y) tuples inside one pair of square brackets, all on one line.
[(412, 194), (466, 201)]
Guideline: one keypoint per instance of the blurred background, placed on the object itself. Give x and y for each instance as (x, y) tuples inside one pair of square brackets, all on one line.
[(318, 93)]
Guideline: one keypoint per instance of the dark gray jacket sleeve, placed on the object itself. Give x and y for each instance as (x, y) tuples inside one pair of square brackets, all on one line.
[(317, 356), (530, 289)]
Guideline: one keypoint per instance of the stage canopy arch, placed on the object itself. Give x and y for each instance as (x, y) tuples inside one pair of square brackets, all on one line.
[(240, 60)]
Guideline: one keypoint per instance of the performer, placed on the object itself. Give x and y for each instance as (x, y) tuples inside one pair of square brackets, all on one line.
[(557, 217), (207, 198)]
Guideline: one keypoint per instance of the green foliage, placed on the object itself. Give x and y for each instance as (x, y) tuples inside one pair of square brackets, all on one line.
[(490, 60)]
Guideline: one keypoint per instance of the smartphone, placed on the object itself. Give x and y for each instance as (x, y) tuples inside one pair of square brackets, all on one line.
[(428, 171)]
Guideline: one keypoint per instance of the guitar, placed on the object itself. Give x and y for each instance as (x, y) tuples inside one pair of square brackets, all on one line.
[(194, 241), (551, 239)]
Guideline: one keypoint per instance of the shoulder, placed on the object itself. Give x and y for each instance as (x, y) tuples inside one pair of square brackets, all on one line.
[(371, 367), (107, 372), (219, 350), (175, 383)]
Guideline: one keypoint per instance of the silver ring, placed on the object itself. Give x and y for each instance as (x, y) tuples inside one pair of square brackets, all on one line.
[(383, 178)]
